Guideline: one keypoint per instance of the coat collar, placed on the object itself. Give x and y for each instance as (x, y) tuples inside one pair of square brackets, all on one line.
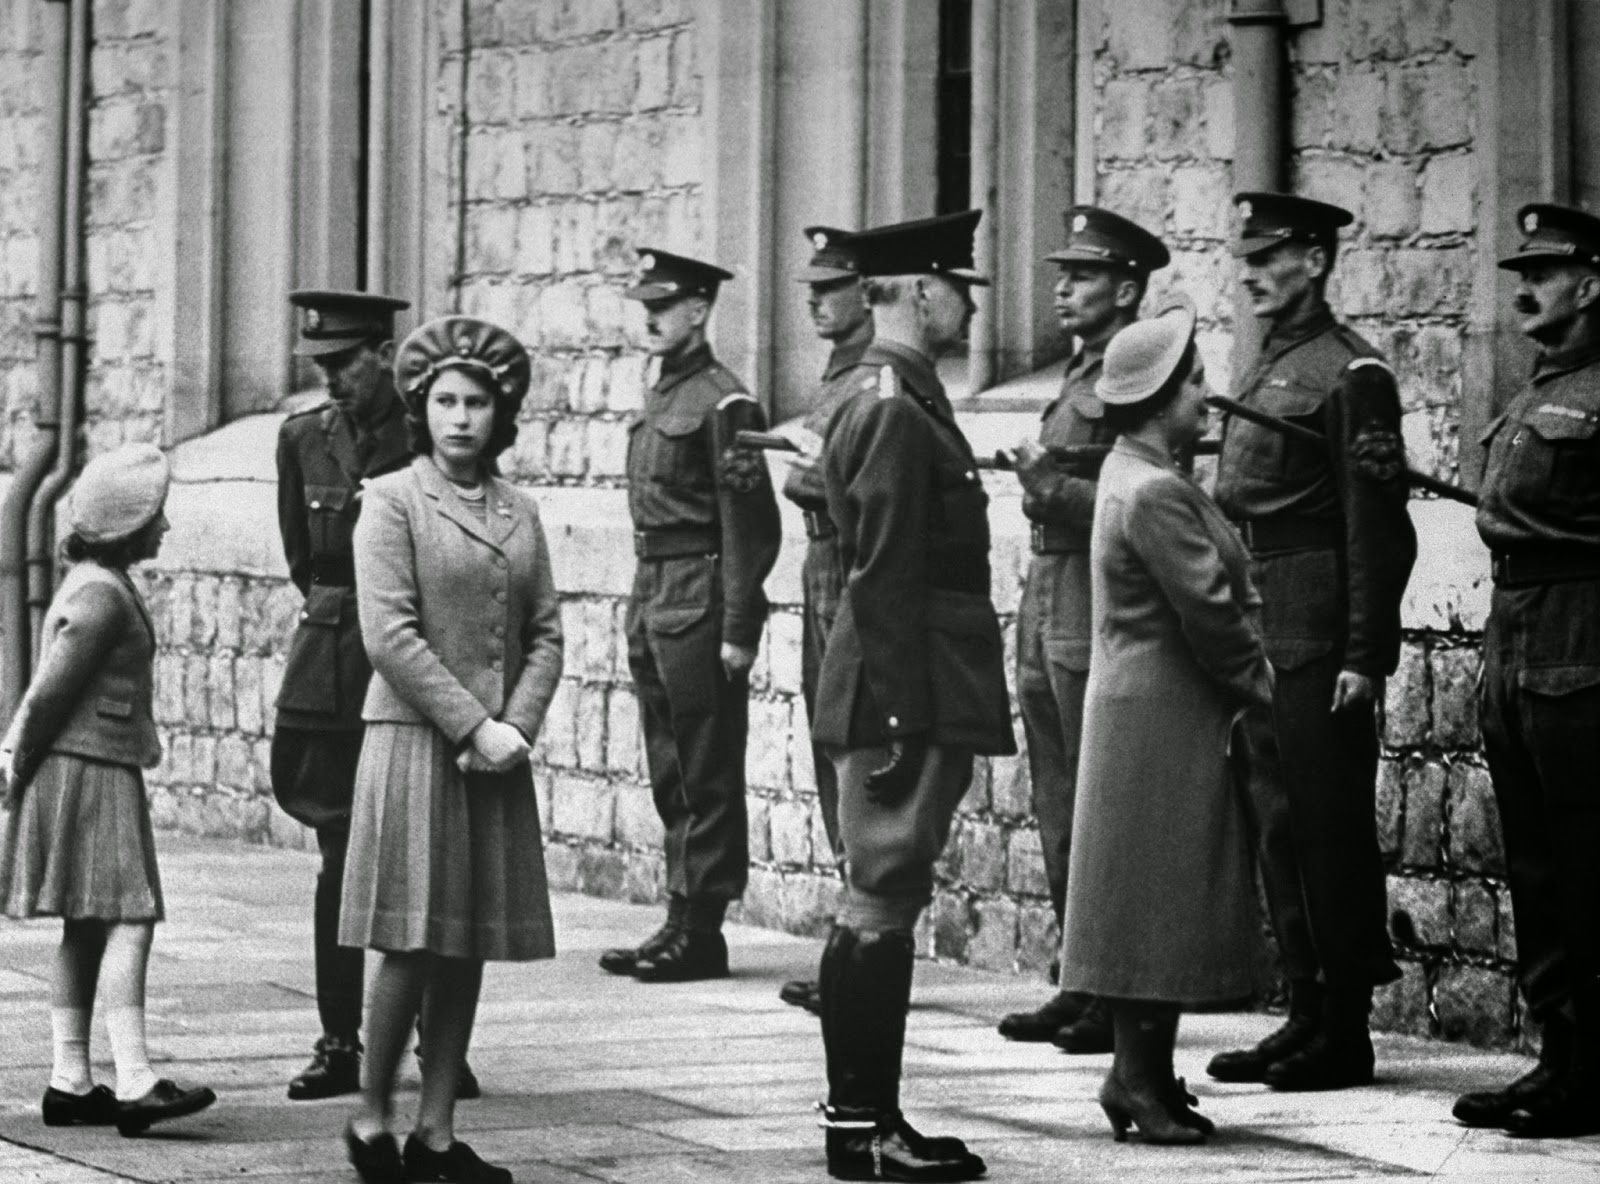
[(674, 370), (499, 520), (847, 353), (1149, 453), (915, 370), (1549, 365), (389, 442), (1282, 338)]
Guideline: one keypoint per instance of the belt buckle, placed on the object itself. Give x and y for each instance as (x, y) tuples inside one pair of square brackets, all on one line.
[(1036, 530)]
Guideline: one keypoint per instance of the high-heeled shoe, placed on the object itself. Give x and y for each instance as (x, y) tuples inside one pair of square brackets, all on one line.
[(1181, 1104), (1125, 1107)]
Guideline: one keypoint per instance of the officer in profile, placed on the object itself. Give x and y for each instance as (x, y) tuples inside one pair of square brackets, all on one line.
[(1105, 267), (706, 534), (912, 683), (841, 316), (325, 455), (1331, 548), (1539, 513)]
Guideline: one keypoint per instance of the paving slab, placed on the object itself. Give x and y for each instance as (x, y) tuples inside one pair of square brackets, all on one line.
[(589, 1077)]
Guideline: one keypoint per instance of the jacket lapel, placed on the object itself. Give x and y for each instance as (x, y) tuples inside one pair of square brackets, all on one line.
[(437, 489), (502, 516), (341, 445)]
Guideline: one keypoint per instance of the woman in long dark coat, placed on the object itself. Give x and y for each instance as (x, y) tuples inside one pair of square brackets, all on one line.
[(1160, 906), (460, 618)]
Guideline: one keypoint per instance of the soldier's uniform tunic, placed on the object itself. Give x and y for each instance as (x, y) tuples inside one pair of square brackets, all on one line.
[(1539, 512), (322, 463), (821, 575), (706, 534), (915, 650), (1332, 546), (1053, 619)]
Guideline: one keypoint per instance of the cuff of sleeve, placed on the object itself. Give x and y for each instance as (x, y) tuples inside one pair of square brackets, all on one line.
[(738, 631), (461, 728)]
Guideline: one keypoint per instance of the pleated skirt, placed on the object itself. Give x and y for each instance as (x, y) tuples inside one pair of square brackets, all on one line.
[(443, 861), (79, 845)]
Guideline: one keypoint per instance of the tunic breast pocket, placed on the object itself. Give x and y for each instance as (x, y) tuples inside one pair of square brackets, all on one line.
[(1554, 459), (962, 501), (329, 517), (1287, 459), (677, 452)]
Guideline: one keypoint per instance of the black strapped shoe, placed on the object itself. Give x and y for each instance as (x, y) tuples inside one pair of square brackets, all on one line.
[(691, 955), (458, 1165), (1303, 1023), (376, 1160), (98, 1107), (882, 1145), (1062, 1010), (335, 1069), (627, 960), (165, 1100), (801, 992)]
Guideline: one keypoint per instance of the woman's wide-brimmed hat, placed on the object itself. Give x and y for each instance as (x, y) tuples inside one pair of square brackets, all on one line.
[(119, 493), (463, 343), (1143, 356)]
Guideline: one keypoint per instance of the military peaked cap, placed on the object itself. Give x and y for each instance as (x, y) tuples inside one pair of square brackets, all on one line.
[(665, 276), (833, 257), (1555, 233), (336, 321), (941, 245), (1268, 219), (462, 343), (1098, 236)]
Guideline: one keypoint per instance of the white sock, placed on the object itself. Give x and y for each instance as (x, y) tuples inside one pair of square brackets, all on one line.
[(69, 1037), (135, 1078)]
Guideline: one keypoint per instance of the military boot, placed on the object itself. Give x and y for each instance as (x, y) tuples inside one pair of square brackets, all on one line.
[(335, 1069), (1570, 1108), (1494, 1107), (1062, 1010), (801, 992), (689, 955), (1090, 1033), (865, 984), (1297, 1031), (1339, 1056), (625, 960)]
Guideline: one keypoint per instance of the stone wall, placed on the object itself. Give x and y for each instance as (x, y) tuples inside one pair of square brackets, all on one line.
[(20, 155)]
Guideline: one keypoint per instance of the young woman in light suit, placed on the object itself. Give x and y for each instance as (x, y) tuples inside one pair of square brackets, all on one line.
[(1160, 902), (459, 616)]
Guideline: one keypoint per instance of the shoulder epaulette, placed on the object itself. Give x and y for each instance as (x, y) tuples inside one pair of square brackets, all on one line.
[(1358, 363), (735, 397), (888, 383), (722, 378)]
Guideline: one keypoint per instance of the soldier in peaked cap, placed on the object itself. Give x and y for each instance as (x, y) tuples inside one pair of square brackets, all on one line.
[(325, 455), (1331, 548), (1539, 513), (1105, 265), (841, 316), (706, 534), (912, 683)]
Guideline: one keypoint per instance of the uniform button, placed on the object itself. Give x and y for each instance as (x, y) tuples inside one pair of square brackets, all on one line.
[(316, 505), (499, 630), (496, 664), (500, 595), (894, 721), (971, 476), (305, 616), (499, 561)]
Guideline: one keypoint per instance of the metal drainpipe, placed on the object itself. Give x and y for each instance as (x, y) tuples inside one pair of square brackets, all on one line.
[(984, 185), (16, 650), (378, 146), (41, 560), (1260, 115)]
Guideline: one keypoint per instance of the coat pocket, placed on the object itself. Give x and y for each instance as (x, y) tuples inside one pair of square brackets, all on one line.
[(966, 667), (311, 672), (687, 650)]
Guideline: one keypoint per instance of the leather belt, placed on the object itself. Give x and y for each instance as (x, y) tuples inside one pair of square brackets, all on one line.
[(819, 525), (1553, 564), (674, 544), (1291, 532), (335, 572), (1050, 539)]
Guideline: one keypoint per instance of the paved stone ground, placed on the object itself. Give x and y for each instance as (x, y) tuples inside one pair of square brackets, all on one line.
[(589, 1077)]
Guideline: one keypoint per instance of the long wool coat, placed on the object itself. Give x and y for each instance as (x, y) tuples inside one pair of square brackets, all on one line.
[(1160, 900)]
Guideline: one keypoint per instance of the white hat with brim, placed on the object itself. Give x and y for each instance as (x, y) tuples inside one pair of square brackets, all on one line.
[(119, 493), (1143, 356)]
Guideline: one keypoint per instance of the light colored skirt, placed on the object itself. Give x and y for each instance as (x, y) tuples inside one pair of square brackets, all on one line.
[(443, 861), (79, 845)]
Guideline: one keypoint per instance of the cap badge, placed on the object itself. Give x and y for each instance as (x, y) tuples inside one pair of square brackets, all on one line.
[(1530, 224), (463, 345), (1246, 211), (647, 261), (313, 319), (819, 240), (1080, 223)]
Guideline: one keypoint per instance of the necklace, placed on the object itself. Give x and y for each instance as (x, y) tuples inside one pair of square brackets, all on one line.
[(468, 493)]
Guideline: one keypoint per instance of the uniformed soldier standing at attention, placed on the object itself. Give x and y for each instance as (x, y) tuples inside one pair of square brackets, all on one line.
[(706, 534), (840, 313), (1105, 267), (1331, 547), (1539, 513), (325, 455), (912, 683)]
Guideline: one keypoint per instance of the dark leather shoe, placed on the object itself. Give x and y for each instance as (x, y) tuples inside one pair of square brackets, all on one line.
[(882, 1145), (459, 1165), (1333, 1060), (1090, 1034), (376, 1160), (1570, 1109), (1251, 1064), (801, 992), (690, 956), (1494, 1107), (1062, 1011), (626, 960), (335, 1069), (98, 1107), (165, 1100)]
